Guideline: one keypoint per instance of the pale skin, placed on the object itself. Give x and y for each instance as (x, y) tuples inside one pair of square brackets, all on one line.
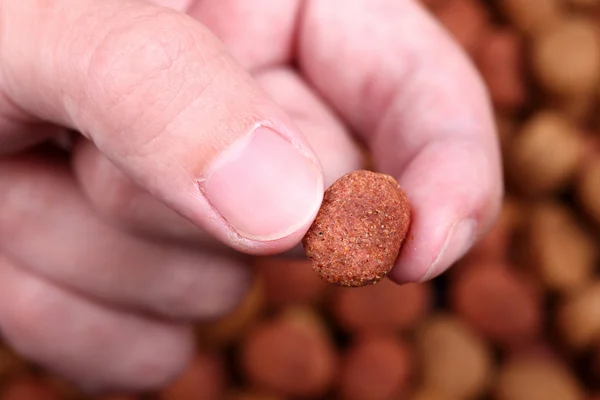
[(205, 137)]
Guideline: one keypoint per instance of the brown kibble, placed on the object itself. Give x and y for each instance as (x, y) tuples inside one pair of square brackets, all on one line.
[(532, 17), (498, 302), (204, 378), (545, 154), (357, 234), (290, 355), (566, 58), (233, 326), (561, 252), (500, 62), (533, 378), (454, 360), (120, 397), (386, 306), (588, 188), (375, 367), (28, 388), (578, 317), (289, 281), (466, 21)]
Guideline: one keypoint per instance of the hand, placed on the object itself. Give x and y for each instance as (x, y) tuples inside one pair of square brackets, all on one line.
[(184, 162)]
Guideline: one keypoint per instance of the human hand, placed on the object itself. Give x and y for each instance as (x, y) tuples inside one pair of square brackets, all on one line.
[(107, 253)]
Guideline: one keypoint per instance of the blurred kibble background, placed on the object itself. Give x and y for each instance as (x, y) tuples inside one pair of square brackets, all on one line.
[(517, 319)]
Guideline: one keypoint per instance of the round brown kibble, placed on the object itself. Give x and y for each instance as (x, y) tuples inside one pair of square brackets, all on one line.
[(499, 303), (500, 61), (535, 378), (532, 17), (561, 251), (375, 367), (290, 355), (454, 359), (465, 20), (566, 58), (544, 155), (383, 307), (289, 281), (578, 317), (359, 230)]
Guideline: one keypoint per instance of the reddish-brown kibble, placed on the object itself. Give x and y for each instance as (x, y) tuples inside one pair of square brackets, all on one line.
[(359, 230), (290, 355), (204, 378), (383, 307), (375, 367), (533, 378), (500, 61), (466, 20), (289, 281), (499, 303)]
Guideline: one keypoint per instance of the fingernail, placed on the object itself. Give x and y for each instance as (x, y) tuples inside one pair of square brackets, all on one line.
[(264, 187), (459, 240)]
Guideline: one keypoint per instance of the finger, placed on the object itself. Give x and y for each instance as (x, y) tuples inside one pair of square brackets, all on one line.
[(86, 342), (420, 105), (47, 227), (260, 34), (120, 201), (158, 94)]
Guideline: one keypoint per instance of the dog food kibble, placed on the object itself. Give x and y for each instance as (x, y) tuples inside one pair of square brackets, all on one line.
[(536, 378), (359, 230), (578, 317), (290, 355), (561, 252), (289, 281), (499, 303), (386, 306), (375, 367), (500, 60), (566, 58), (544, 155), (453, 359), (466, 20), (532, 17)]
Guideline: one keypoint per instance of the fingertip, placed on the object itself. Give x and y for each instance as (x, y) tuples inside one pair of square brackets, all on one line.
[(455, 196), (265, 187)]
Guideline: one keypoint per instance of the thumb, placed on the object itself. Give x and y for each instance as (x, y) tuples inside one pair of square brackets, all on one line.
[(158, 94)]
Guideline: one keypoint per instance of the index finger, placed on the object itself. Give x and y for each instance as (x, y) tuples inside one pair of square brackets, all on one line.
[(417, 102)]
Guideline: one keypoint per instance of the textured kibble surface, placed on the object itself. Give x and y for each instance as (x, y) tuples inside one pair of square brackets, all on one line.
[(359, 230)]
